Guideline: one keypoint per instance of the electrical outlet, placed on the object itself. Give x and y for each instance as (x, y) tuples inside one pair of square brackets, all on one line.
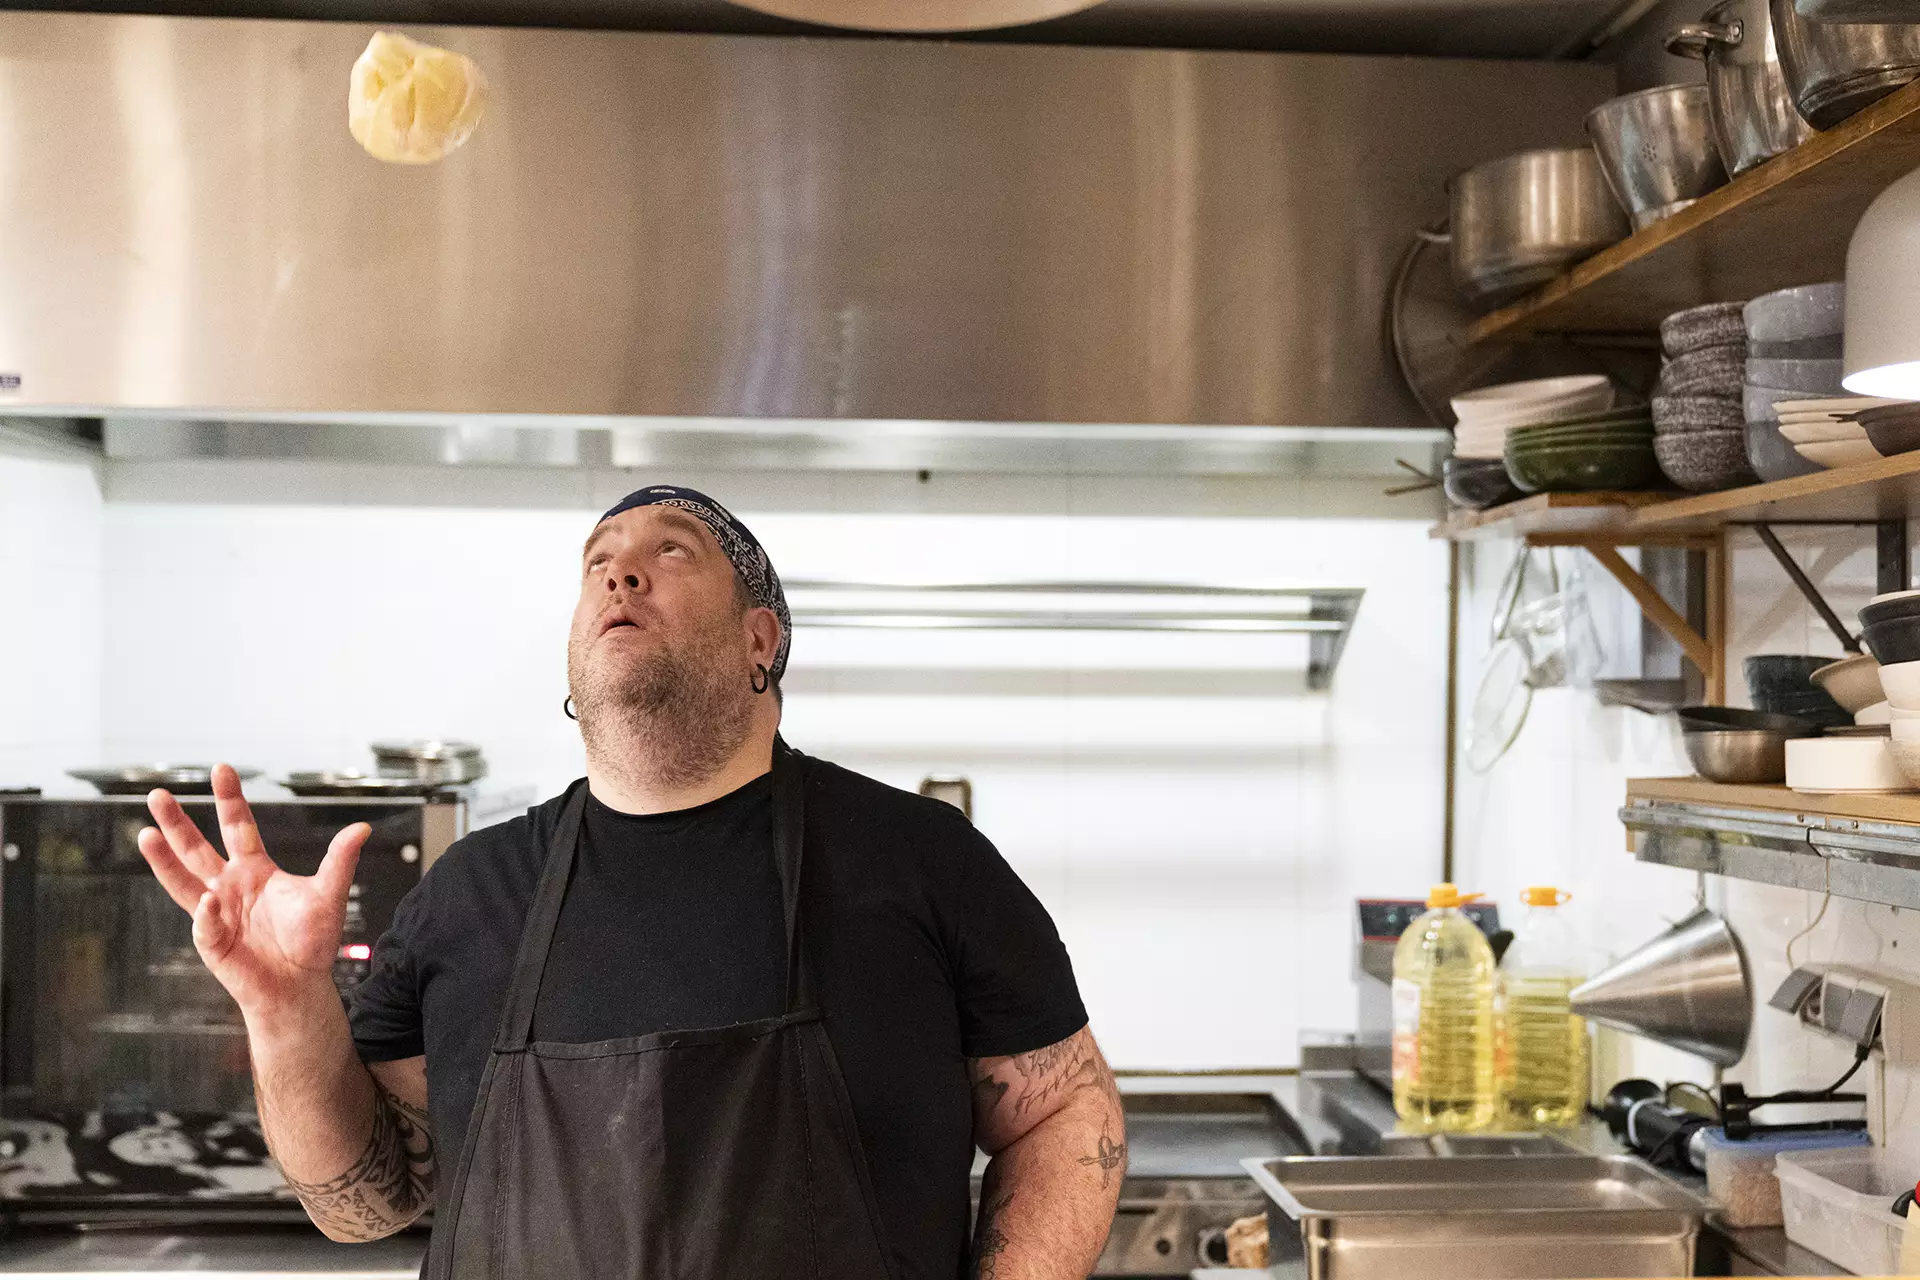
[(1861, 1006)]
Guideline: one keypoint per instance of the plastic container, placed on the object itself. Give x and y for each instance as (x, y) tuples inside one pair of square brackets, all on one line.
[(1443, 1026), (1740, 1175), (1542, 1045), (1840, 1204)]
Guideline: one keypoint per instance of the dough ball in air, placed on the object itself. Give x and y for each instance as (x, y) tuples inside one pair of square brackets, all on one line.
[(410, 103)]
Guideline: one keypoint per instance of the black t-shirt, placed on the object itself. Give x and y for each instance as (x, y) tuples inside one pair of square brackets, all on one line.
[(928, 950)]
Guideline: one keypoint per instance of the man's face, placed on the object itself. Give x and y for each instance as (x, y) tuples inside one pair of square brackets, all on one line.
[(660, 630)]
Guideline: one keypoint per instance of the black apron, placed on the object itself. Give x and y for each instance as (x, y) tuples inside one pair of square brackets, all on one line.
[(720, 1154)]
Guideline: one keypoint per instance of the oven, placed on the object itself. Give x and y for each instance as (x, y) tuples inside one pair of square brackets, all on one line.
[(124, 1077)]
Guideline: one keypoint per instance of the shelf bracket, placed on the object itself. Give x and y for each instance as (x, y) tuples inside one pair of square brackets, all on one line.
[(1848, 641), (1698, 649)]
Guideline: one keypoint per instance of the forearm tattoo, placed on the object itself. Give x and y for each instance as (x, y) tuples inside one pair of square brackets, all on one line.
[(387, 1186), (989, 1241), (1108, 1156)]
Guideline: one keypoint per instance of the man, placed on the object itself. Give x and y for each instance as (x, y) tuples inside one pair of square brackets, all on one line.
[(720, 1010)]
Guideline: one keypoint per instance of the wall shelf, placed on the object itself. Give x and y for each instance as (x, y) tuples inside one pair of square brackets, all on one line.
[(1865, 848), (1886, 489), (1783, 223)]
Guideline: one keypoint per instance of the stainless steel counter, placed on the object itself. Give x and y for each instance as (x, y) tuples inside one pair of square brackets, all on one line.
[(231, 1253)]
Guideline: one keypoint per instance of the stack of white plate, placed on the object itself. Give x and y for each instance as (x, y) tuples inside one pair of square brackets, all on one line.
[(1487, 414), (1821, 431)]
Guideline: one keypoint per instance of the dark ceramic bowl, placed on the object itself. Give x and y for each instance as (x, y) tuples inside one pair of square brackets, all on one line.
[(1714, 371), (1782, 683), (1583, 468), (1673, 414), (1903, 605), (1704, 461), (1477, 483), (1717, 324), (1772, 455), (1893, 428), (1894, 640)]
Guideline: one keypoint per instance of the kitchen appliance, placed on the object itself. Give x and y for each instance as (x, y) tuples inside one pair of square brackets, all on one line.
[(1834, 69), (1520, 220), (124, 1077), (1380, 922), (1688, 988), (1753, 115), (1470, 1217), (1656, 149)]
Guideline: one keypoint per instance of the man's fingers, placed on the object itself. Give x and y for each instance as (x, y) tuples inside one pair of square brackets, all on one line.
[(335, 875), (212, 931), (237, 829), (181, 885), (189, 846)]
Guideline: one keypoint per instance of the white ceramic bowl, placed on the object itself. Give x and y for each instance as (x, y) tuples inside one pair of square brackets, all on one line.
[(1822, 432), (1827, 766), (1897, 716), (1839, 453), (1839, 404), (1852, 682), (1906, 758), (1895, 595), (1513, 404), (1906, 730), (1901, 680), (1880, 712)]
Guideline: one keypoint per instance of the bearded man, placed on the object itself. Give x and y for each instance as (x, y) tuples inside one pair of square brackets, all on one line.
[(718, 1011)]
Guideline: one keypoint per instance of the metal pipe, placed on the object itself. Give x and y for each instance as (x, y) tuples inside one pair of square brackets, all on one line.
[(1807, 589), (1451, 766)]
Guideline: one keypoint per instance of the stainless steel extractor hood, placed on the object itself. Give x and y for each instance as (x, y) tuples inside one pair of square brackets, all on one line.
[(727, 227)]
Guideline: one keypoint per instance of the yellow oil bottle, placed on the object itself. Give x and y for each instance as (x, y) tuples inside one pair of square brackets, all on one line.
[(1443, 1020), (1545, 1072)]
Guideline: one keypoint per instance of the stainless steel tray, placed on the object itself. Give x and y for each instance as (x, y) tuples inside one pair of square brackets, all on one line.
[(1483, 1217), (326, 782), (138, 779)]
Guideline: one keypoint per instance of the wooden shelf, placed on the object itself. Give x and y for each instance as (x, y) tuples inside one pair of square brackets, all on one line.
[(1886, 489), (1902, 808), (1862, 847), (1783, 223)]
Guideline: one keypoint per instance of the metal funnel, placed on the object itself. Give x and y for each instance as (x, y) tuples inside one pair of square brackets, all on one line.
[(1688, 988)]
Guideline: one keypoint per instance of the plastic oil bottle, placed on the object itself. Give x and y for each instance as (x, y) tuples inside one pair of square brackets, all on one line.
[(1545, 1071), (1443, 1020)]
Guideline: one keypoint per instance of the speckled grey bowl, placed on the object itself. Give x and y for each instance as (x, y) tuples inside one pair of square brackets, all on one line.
[(1703, 461), (1772, 455), (1717, 324), (1674, 415), (1711, 371)]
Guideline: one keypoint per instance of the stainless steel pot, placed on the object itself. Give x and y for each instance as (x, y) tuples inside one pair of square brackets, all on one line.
[(1754, 118), (430, 760), (1835, 68), (1522, 219), (1656, 149)]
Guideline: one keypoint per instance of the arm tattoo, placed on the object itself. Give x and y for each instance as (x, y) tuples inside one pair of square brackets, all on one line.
[(1048, 1075), (390, 1183), (989, 1241), (1110, 1155)]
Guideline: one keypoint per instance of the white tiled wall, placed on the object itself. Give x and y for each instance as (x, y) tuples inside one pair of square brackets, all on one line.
[(1197, 820), (1545, 814), (52, 616)]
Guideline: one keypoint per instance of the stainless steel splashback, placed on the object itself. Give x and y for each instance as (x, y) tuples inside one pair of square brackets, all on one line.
[(728, 226)]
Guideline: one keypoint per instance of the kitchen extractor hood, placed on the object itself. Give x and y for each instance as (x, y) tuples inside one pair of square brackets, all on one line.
[(727, 227)]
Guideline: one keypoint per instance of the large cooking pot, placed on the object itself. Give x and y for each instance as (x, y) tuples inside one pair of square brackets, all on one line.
[(1754, 118), (1656, 149), (1835, 68), (1521, 220)]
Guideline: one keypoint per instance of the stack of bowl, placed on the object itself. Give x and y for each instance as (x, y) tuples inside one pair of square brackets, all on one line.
[(1699, 423), (1793, 353), (1891, 628), (1826, 432), (1729, 744), (1608, 450), (1783, 684), (1476, 475)]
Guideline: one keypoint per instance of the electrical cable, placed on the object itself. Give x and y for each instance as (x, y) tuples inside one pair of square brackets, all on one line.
[(1859, 1058), (1826, 896)]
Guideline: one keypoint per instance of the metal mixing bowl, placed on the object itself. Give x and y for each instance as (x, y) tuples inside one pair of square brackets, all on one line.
[(1738, 755)]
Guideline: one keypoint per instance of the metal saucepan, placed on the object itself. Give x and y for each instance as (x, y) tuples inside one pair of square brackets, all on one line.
[(1521, 220), (138, 779), (1656, 149), (1754, 118), (1835, 68), (430, 760)]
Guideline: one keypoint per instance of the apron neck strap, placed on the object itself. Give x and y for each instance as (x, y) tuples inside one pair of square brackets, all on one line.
[(543, 918)]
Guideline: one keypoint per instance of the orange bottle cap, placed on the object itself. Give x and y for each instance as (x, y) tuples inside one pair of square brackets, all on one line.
[(1543, 895), (1446, 895)]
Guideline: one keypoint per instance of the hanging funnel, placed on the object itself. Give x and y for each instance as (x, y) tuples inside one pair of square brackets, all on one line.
[(1687, 989)]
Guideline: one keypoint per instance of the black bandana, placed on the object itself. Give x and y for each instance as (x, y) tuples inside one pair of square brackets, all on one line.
[(749, 558)]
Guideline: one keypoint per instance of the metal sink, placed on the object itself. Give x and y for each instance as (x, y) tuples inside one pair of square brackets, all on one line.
[(1497, 1217)]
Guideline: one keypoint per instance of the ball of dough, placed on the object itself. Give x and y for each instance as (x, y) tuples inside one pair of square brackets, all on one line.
[(410, 103)]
